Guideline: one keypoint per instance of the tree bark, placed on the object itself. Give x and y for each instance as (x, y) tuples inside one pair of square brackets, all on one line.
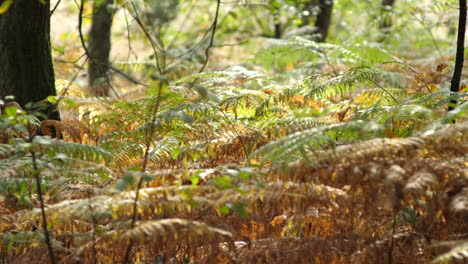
[(26, 69), (455, 83), (99, 48), (324, 19)]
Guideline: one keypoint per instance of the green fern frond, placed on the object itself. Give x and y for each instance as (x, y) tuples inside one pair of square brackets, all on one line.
[(233, 75), (133, 66), (280, 127), (79, 151), (445, 138), (284, 52), (435, 99), (162, 149), (325, 85), (314, 139), (248, 100), (127, 151)]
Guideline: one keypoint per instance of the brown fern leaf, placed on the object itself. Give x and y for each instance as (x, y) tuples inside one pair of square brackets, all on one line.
[(57, 129), (170, 236)]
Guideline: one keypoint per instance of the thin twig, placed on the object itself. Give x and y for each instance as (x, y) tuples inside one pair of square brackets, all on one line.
[(392, 241), (83, 44), (149, 138), (41, 201), (385, 91), (418, 75), (213, 31), (55, 7), (156, 49)]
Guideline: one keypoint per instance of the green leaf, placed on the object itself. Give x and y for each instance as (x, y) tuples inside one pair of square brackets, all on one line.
[(175, 153), (5, 5), (99, 81), (223, 182), (69, 102), (124, 182), (239, 208), (276, 4), (52, 99), (11, 111), (224, 209), (195, 179)]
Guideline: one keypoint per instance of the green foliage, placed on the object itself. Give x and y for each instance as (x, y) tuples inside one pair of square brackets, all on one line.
[(339, 152)]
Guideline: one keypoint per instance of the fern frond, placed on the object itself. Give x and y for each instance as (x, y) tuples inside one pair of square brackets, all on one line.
[(161, 231), (127, 151), (325, 85), (80, 151), (133, 65), (120, 206), (457, 254), (419, 181), (314, 139), (247, 100), (447, 138), (233, 75), (280, 127), (284, 52), (162, 149)]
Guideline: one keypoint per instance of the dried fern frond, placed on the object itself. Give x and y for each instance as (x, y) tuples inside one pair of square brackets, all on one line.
[(297, 250), (171, 236), (57, 129), (449, 137), (158, 232), (458, 254), (120, 206)]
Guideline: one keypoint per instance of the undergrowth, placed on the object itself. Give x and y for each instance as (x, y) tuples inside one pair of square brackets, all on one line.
[(349, 158)]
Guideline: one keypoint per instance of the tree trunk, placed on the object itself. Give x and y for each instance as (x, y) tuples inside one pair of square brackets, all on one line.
[(455, 83), (307, 11), (324, 19), (386, 19), (26, 69), (386, 22), (99, 49)]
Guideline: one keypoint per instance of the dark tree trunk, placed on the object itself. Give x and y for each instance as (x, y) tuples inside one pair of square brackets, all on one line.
[(26, 69), (386, 19), (324, 19), (99, 49), (386, 22), (455, 83), (277, 30)]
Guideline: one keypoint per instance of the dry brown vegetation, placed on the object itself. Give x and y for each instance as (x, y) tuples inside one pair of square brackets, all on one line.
[(330, 154)]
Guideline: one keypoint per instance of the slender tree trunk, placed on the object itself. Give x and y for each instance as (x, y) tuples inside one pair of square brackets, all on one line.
[(386, 22), (277, 30), (455, 83), (386, 19), (307, 12), (324, 18), (26, 69), (99, 48)]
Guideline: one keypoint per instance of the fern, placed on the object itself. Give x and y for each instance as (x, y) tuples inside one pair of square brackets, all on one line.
[(456, 254), (325, 85), (315, 139)]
